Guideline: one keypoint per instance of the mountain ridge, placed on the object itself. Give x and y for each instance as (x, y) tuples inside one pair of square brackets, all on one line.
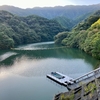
[(85, 36), (75, 13), (69, 11), (15, 30)]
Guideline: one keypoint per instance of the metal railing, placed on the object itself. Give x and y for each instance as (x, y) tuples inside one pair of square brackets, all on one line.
[(90, 74)]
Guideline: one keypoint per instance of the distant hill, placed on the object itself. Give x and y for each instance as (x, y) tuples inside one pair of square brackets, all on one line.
[(86, 36), (75, 14), (65, 22), (16, 30), (71, 12), (70, 23)]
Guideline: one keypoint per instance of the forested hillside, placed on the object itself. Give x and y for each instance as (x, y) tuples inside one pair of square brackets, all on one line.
[(16, 30), (69, 11), (67, 16), (65, 22), (86, 36)]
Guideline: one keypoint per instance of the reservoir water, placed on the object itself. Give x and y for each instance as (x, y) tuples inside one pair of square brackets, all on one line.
[(23, 70)]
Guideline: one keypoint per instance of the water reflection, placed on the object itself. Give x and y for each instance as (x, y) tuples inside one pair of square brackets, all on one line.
[(33, 67), (37, 46), (23, 72), (6, 55)]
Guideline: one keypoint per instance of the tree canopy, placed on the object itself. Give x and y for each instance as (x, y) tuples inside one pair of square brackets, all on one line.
[(16, 30), (86, 36)]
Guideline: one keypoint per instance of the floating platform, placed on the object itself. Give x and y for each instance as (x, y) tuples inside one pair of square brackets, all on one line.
[(61, 78)]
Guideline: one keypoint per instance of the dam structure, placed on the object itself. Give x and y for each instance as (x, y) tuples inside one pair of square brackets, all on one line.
[(86, 87)]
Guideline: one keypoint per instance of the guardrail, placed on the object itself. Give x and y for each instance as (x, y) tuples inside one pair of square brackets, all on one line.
[(90, 74)]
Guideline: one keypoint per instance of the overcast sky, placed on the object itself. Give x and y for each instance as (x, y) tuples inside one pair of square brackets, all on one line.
[(46, 3)]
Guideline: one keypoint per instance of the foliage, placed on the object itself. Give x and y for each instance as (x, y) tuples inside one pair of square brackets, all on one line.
[(91, 87), (16, 30), (65, 22), (58, 38), (67, 16), (86, 36), (5, 41), (67, 97)]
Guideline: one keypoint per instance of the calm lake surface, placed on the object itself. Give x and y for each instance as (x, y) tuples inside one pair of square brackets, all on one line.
[(23, 71)]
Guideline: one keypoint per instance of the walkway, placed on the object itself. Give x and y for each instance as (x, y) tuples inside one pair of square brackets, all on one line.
[(87, 87)]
